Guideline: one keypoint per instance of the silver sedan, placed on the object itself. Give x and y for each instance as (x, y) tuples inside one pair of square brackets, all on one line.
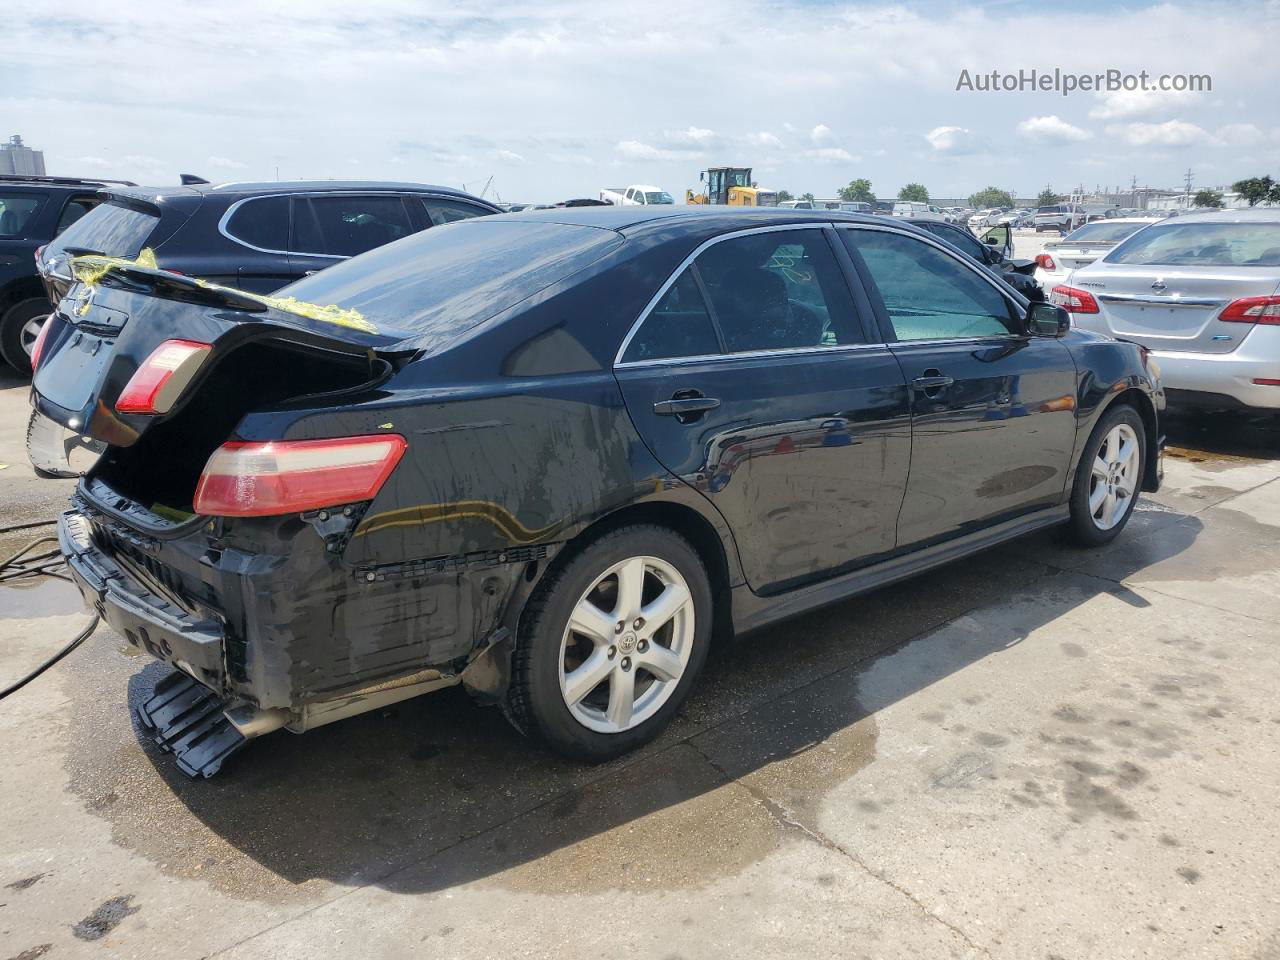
[(1202, 293)]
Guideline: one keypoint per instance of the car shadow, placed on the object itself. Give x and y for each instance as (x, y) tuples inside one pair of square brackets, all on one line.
[(1196, 435), (437, 791)]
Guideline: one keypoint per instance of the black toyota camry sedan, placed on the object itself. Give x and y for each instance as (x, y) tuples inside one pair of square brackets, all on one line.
[(551, 455)]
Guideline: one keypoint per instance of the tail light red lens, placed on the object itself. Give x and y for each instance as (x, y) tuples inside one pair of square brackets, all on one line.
[(1074, 299), (1264, 310), (291, 476), (40, 250), (158, 383), (1045, 262), (37, 348)]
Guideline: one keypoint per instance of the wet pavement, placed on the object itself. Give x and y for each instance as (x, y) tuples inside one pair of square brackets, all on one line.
[(1037, 752)]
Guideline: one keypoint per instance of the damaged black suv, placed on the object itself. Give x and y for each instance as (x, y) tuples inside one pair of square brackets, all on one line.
[(550, 455)]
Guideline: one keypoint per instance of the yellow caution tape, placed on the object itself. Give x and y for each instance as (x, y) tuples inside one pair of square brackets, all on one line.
[(89, 269)]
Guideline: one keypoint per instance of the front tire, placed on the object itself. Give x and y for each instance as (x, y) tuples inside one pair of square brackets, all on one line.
[(611, 643), (1108, 477)]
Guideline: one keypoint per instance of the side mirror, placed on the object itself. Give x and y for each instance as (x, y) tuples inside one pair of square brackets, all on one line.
[(991, 241), (1047, 320)]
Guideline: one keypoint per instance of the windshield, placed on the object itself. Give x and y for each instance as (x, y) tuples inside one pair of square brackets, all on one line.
[(657, 196), (1202, 244), (450, 278), (111, 229), (17, 212), (1104, 232)]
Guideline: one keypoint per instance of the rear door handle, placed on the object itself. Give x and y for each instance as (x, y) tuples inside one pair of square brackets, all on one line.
[(684, 405)]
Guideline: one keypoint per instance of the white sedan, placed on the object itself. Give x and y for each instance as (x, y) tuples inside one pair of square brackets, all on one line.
[(1202, 294), (1058, 260)]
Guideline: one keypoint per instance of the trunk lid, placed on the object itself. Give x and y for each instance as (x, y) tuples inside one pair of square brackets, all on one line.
[(110, 323), (1173, 309)]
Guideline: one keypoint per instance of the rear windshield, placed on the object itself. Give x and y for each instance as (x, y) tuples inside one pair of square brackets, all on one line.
[(1056, 208), (1102, 232), (449, 278), (1202, 244), (110, 229), (18, 212)]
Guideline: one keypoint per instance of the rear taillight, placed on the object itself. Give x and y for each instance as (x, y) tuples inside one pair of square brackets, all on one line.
[(158, 383), (40, 250), (1045, 262), (1074, 300), (290, 476), (37, 348), (1253, 310)]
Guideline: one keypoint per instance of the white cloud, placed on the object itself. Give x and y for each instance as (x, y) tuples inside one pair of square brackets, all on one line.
[(1131, 104), (957, 140), (101, 163), (226, 163), (1051, 129), (831, 155), (1240, 135), (821, 134), (508, 155), (1171, 133), (764, 139)]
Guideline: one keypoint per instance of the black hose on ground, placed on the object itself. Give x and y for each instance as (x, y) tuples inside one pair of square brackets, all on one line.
[(39, 565)]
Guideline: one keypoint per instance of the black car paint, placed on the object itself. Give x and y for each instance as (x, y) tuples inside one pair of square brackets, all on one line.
[(189, 237), (19, 278), (523, 436)]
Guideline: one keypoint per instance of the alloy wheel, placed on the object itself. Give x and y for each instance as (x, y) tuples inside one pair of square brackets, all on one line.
[(1113, 481), (627, 644), (30, 332)]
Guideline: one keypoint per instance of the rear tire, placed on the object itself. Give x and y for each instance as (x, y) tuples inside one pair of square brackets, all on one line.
[(1108, 477), (18, 329), (590, 677)]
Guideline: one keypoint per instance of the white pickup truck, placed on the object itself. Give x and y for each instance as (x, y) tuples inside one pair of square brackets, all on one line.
[(636, 194)]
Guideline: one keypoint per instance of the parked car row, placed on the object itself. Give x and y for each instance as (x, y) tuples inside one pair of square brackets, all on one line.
[(256, 237)]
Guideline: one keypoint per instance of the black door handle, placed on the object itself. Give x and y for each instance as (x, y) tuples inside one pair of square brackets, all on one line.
[(682, 406), (932, 383)]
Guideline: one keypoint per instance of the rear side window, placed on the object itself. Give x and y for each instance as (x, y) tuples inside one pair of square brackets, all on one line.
[(1202, 244), (778, 290), (678, 326), (347, 226), (262, 222), (111, 229), (18, 213), (929, 295), (442, 211)]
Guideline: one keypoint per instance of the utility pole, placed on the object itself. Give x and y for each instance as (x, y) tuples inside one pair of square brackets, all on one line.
[(1189, 178)]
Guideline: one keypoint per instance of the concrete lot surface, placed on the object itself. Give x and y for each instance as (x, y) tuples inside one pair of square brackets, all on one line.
[(1038, 752)]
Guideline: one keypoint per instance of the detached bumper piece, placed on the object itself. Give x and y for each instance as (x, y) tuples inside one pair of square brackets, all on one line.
[(186, 719)]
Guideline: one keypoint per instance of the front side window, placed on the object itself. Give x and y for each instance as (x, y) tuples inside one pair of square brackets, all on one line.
[(17, 213), (928, 294), (262, 222), (1202, 244), (678, 326), (347, 226), (778, 290)]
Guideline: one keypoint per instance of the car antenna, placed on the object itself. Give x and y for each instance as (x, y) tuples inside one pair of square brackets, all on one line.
[(189, 178)]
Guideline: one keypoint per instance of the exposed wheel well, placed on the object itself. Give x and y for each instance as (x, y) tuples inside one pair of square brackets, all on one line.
[(681, 520)]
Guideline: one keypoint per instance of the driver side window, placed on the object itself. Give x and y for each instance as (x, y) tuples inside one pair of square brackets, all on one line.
[(928, 294)]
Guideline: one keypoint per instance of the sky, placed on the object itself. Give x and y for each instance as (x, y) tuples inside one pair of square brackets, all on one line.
[(558, 99)]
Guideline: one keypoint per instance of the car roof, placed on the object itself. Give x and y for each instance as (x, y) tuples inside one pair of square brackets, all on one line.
[(698, 218), (268, 187), (1241, 215)]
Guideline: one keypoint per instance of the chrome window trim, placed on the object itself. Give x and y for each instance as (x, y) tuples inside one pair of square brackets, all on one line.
[(675, 275), (231, 210), (748, 355), (1160, 301)]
